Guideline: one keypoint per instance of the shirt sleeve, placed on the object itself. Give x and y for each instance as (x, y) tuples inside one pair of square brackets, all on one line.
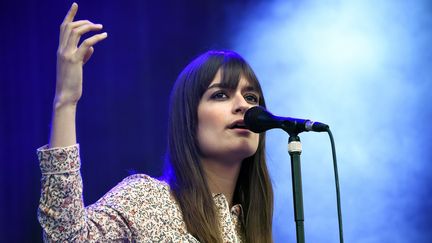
[(61, 211)]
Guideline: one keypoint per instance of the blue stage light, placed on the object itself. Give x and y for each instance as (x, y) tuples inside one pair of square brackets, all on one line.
[(364, 68)]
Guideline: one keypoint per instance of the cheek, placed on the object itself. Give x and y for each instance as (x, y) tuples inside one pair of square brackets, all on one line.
[(209, 127), (206, 122), (255, 141), (209, 120)]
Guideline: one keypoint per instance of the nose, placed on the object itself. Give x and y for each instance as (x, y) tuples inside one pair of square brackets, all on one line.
[(240, 105)]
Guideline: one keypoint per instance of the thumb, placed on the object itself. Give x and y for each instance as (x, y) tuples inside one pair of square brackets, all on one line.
[(88, 54)]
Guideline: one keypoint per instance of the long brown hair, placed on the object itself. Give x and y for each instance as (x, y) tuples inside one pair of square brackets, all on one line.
[(184, 172)]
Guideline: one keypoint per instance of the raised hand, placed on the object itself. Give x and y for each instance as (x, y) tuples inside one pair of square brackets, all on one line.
[(70, 61), (71, 57)]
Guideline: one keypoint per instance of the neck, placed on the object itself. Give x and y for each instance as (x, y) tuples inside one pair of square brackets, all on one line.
[(221, 176)]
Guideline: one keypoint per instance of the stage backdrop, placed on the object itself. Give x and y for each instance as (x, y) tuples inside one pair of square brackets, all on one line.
[(361, 66)]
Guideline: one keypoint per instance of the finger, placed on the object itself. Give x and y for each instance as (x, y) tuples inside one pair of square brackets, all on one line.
[(86, 44), (69, 17), (76, 33), (88, 54), (64, 35), (71, 14)]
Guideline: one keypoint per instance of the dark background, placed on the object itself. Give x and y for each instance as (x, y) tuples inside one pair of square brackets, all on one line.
[(121, 118), (364, 67)]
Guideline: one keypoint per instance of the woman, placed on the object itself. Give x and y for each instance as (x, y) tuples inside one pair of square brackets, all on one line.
[(216, 187)]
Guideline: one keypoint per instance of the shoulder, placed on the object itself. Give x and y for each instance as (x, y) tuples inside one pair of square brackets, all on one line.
[(143, 203), (144, 181), (137, 187)]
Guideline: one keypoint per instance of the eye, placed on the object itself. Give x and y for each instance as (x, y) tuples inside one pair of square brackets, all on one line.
[(219, 95), (252, 98)]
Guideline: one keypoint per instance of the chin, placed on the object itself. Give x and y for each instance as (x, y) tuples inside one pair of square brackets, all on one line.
[(244, 152)]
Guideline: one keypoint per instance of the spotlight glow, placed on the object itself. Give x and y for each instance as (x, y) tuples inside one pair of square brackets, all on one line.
[(363, 67)]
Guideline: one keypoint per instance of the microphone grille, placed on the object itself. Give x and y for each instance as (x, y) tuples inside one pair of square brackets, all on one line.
[(252, 119)]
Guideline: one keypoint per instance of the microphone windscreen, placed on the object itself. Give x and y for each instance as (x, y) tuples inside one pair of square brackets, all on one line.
[(258, 119)]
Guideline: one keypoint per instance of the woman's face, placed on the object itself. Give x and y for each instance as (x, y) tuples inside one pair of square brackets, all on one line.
[(221, 131)]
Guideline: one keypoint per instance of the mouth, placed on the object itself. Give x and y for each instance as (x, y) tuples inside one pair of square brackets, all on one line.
[(239, 124)]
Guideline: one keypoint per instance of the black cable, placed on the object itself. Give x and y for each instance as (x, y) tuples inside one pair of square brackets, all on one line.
[(337, 185)]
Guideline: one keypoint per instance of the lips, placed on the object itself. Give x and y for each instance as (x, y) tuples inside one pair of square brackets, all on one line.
[(237, 124)]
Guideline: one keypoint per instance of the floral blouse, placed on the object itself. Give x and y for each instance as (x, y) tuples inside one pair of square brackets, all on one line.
[(138, 209)]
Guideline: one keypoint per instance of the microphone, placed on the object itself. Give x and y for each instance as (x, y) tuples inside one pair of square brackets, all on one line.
[(258, 119)]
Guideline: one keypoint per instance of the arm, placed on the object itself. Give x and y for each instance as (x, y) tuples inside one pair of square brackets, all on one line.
[(70, 61), (61, 210)]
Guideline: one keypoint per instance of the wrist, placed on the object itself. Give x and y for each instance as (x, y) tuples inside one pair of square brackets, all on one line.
[(62, 101)]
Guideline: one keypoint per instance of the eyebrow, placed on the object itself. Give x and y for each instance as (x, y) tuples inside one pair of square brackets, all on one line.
[(219, 85)]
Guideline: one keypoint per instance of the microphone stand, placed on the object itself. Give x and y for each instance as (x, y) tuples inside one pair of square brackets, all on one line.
[(294, 150), (258, 120)]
